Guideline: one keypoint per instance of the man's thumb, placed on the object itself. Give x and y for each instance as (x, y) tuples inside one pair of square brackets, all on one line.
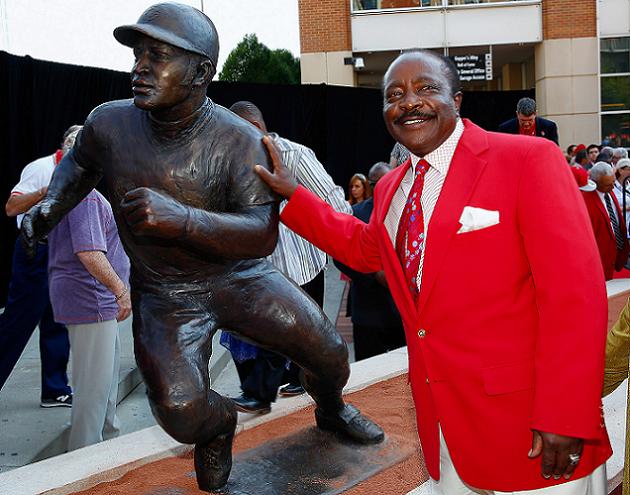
[(537, 445)]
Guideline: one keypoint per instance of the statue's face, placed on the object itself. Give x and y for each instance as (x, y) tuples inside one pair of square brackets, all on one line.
[(162, 75)]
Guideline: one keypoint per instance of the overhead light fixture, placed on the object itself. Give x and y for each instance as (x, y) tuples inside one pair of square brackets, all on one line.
[(357, 62)]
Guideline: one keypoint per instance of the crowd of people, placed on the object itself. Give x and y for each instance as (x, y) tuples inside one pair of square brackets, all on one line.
[(478, 252)]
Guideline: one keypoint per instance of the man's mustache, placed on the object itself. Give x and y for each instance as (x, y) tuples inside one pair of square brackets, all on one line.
[(415, 114)]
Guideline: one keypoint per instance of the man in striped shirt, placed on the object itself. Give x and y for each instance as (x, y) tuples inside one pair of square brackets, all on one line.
[(262, 372)]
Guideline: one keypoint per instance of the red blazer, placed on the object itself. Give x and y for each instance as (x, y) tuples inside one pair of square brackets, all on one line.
[(612, 258), (508, 333)]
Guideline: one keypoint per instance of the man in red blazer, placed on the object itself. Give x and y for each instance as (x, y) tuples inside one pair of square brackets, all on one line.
[(506, 336), (610, 232)]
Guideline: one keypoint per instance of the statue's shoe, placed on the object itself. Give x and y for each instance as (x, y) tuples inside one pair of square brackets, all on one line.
[(351, 423), (213, 462)]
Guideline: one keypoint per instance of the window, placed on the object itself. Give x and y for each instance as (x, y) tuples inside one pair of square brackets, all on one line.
[(615, 91), (360, 5)]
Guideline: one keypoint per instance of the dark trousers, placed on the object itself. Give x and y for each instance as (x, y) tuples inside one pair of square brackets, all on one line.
[(27, 305), (261, 377), (371, 341)]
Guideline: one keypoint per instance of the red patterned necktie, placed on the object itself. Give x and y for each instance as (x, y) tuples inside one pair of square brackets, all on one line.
[(410, 235)]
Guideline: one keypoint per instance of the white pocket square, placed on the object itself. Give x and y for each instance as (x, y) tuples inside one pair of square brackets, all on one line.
[(477, 218)]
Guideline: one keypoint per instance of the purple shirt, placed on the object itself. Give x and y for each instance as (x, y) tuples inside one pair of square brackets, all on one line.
[(76, 296)]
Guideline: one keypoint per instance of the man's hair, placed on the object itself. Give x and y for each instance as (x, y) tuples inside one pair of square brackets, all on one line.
[(591, 146), (570, 149), (604, 156), (621, 153), (248, 111), (599, 170), (70, 130), (526, 106), (581, 156), (449, 69), (378, 166)]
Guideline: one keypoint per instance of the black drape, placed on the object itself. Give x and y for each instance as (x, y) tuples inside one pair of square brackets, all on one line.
[(40, 100)]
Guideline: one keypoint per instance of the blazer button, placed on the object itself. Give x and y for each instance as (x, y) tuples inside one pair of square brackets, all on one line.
[(421, 333), (427, 380)]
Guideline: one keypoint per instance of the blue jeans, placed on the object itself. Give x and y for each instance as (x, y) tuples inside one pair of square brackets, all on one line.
[(27, 305)]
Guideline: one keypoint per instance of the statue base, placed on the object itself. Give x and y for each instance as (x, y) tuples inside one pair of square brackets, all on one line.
[(308, 462)]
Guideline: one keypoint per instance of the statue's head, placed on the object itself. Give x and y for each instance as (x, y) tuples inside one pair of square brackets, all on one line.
[(176, 48)]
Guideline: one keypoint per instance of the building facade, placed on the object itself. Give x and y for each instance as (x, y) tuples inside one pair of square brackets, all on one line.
[(574, 53)]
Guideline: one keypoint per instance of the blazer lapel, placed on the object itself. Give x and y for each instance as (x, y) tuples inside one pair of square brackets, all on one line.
[(604, 212), (464, 172)]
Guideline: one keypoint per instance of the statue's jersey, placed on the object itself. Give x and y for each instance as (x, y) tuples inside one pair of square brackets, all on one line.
[(209, 167)]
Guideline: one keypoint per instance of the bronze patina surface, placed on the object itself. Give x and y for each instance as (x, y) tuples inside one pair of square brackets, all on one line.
[(196, 223)]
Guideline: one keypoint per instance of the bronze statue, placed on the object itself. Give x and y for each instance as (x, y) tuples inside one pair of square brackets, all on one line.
[(195, 221)]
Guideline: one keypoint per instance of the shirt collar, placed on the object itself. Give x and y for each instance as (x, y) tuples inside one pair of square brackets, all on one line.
[(440, 158)]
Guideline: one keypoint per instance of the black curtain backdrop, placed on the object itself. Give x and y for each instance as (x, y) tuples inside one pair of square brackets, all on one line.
[(344, 126)]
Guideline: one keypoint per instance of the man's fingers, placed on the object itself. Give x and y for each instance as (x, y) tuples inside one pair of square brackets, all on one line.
[(537, 445), (264, 174), (562, 463), (572, 465), (548, 461), (273, 153)]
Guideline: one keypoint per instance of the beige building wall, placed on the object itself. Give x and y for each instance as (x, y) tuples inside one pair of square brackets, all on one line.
[(567, 87), (327, 67)]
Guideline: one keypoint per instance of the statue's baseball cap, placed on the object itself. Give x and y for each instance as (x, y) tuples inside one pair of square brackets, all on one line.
[(179, 25)]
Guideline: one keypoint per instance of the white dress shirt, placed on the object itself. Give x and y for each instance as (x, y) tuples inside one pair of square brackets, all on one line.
[(294, 256), (439, 161)]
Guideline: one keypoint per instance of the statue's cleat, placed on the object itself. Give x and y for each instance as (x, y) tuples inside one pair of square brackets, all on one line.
[(351, 423), (213, 462)]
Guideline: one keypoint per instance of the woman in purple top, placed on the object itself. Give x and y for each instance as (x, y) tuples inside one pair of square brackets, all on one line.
[(88, 275)]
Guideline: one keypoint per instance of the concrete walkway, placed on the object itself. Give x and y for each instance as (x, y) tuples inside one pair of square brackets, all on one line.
[(29, 433)]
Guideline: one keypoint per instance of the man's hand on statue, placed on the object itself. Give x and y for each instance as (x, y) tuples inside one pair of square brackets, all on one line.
[(149, 212), (560, 454), (33, 227), (281, 180)]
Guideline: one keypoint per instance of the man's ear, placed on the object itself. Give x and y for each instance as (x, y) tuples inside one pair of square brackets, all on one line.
[(205, 73)]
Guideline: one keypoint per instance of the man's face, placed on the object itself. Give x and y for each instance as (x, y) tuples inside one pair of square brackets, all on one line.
[(592, 154), (526, 122), (606, 183), (160, 77), (419, 108), (615, 158)]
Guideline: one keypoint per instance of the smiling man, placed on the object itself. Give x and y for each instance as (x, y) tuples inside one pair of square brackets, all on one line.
[(487, 250), (195, 221)]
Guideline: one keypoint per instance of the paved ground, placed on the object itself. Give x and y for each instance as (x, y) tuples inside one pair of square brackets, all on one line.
[(29, 433)]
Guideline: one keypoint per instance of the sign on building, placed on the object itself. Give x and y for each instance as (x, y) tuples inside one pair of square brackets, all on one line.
[(474, 67)]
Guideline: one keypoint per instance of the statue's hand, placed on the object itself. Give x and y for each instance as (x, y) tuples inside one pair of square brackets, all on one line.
[(149, 212), (35, 226), (281, 180)]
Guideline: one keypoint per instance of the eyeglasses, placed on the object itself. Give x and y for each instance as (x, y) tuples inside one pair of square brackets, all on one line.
[(360, 176)]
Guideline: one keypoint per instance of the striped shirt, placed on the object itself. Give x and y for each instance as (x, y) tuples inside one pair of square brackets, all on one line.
[(439, 161), (294, 256)]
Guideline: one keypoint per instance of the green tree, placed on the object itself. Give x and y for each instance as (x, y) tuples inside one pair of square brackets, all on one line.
[(251, 61)]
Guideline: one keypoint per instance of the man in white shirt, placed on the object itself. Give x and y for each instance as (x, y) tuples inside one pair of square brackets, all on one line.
[(28, 303), (261, 372)]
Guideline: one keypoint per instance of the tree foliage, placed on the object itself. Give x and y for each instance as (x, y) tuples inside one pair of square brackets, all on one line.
[(251, 61)]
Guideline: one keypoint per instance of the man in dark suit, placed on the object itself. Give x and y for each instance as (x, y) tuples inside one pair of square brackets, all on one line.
[(376, 323), (528, 124), (603, 209)]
